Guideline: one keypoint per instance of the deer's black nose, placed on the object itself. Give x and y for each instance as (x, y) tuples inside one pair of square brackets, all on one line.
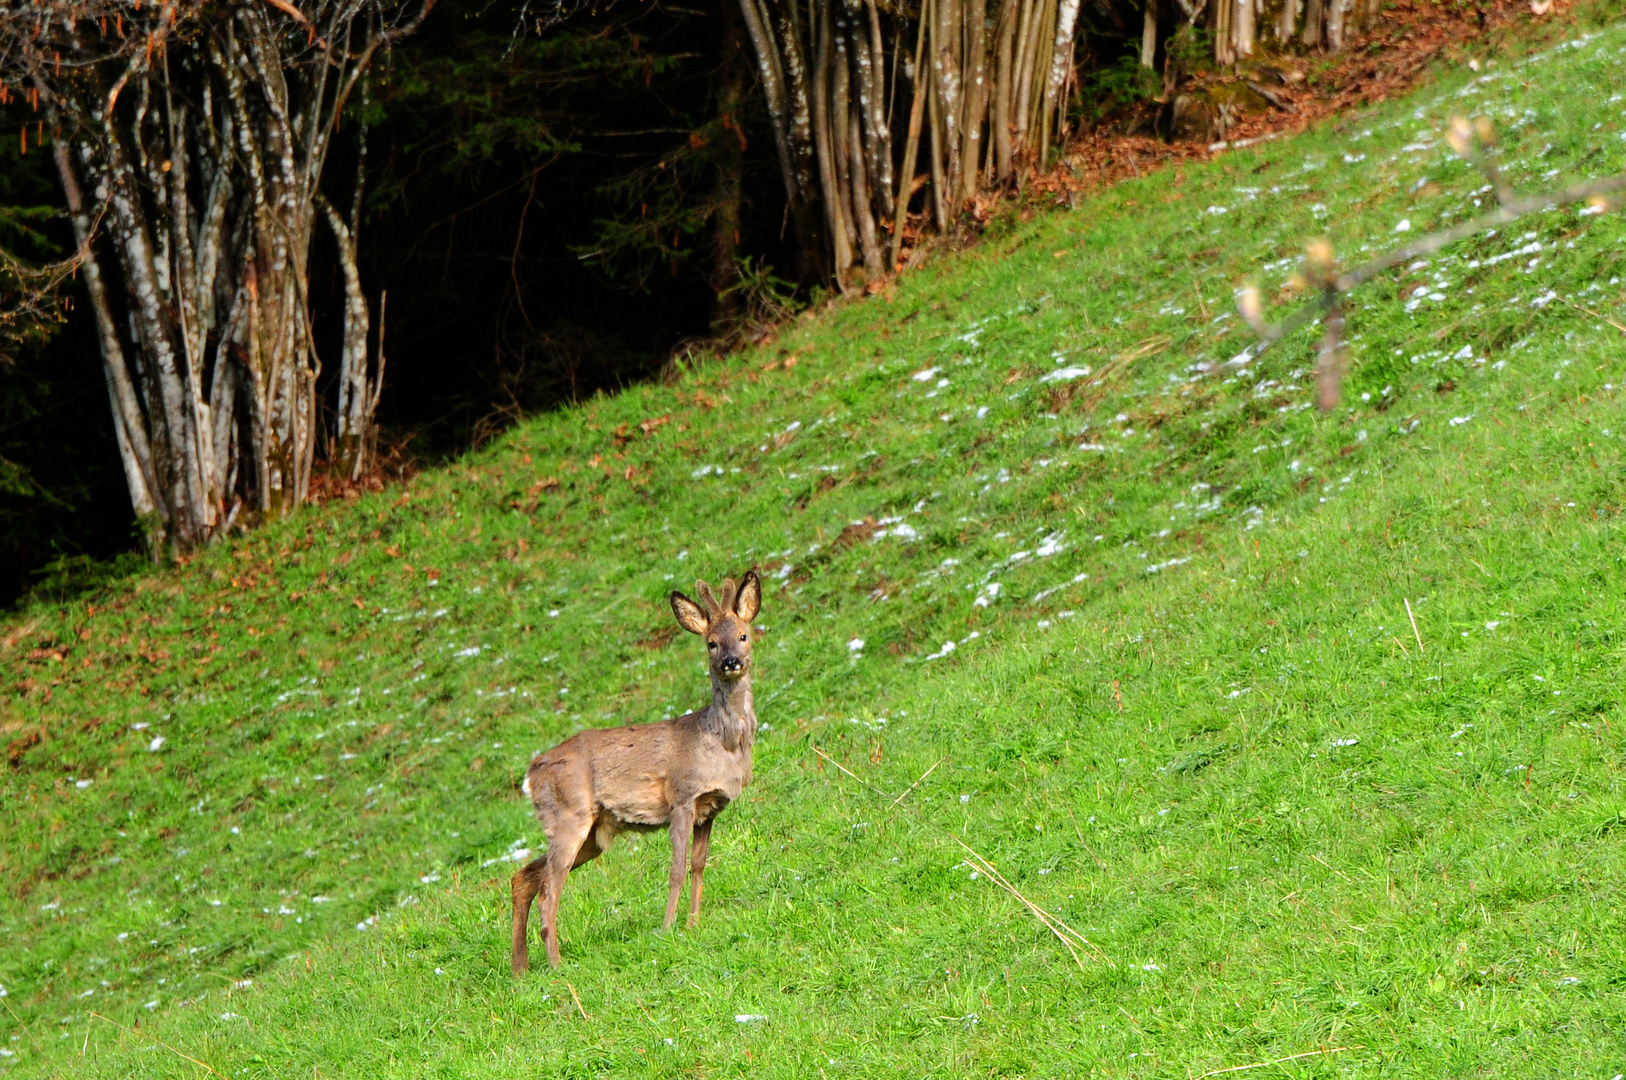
[(733, 663)]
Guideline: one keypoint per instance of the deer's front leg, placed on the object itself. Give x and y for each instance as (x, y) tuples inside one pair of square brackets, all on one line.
[(697, 869), (680, 826)]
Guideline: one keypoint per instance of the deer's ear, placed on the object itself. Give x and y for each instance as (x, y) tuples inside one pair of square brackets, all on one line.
[(748, 601), (689, 615)]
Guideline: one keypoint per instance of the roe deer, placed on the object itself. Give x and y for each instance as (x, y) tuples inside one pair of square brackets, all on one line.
[(678, 773)]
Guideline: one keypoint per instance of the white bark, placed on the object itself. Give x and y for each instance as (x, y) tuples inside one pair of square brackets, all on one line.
[(203, 132), (823, 69), (946, 64), (1286, 20), (877, 133), (357, 397), (770, 69), (1061, 59), (1337, 14), (1242, 28), (135, 453)]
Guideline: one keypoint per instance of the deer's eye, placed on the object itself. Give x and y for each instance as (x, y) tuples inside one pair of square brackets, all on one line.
[(711, 644), (742, 637)]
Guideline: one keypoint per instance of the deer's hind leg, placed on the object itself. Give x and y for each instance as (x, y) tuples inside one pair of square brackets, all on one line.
[(526, 884), (568, 841)]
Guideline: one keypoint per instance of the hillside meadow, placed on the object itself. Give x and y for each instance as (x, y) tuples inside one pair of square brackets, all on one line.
[(1302, 729)]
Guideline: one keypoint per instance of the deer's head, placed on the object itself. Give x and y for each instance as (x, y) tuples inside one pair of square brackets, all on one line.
[(724, 622)]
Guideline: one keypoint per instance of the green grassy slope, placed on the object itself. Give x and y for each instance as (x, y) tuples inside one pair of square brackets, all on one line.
[(264, 806)]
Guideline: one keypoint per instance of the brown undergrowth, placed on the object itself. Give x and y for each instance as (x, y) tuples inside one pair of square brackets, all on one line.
[(1391, 59), (392, 463)]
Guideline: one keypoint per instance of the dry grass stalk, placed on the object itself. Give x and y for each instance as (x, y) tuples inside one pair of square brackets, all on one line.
[(917, 783), (1064, 933), (577, 999), (1414, 633), (1594, 314), (210, 1069), (1276, 1061)]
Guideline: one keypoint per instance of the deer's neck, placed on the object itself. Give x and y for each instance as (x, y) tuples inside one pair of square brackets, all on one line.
[(732, 714)]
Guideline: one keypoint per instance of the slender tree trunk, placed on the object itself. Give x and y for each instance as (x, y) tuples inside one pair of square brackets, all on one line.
[(934, 110), (951, 88), (877, 126), (824, 147), (1061, 70), (129, 427), (1243, 32), (1224, 48), (1148, 34), (1313, 10), (1004, 100), (874, 269), (911, 147), (171, 411), (355, 389), (840, 107), (782, 64), (774, 93), (1027, 63), (975, 67), (1335, 11), (1287, 20)]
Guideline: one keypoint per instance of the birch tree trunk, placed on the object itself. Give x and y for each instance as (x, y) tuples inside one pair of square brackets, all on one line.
[(200, 134), (985, 97), (911, 151), (1313, 14), (1060, 70), (1243, 28), (1004, 81), (1287, 21), (358, 394), (975, 65), (1224, 46), (1336, 11)]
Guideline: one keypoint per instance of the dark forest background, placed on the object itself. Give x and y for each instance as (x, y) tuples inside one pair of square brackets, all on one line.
[(553, 208)]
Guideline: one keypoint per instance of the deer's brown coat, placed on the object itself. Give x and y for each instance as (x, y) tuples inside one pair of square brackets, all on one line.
[(678, 774)]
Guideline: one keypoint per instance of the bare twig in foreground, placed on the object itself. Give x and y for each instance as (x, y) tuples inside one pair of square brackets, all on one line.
[(1472, 142), (22, 1026), (850, 773)]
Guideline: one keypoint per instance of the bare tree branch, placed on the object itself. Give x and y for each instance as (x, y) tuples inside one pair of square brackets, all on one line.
[(1472, 142)]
